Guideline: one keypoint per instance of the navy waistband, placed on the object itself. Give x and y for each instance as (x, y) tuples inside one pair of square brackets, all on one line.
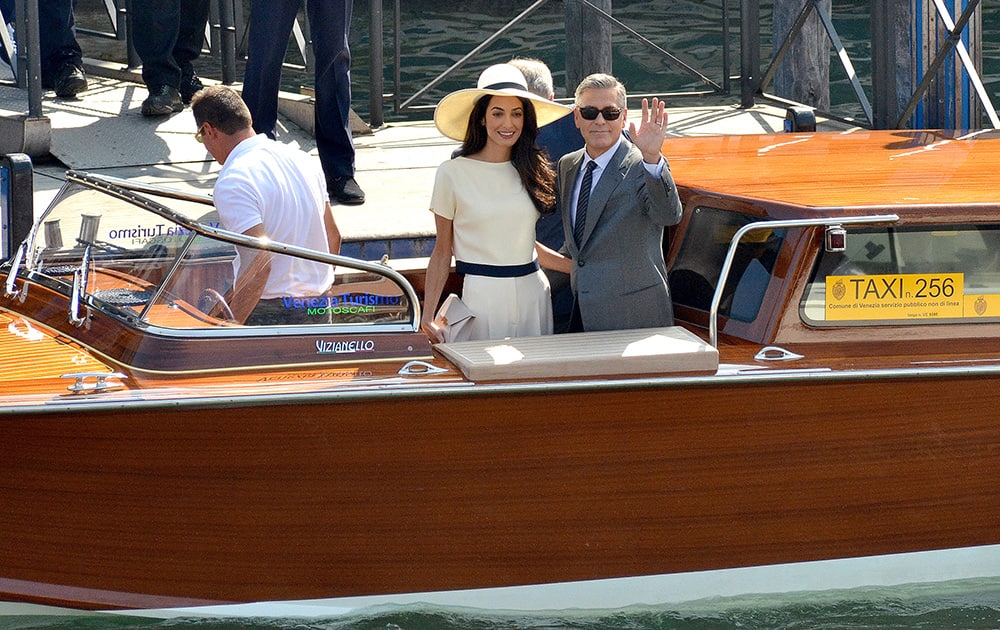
[(496, 271)]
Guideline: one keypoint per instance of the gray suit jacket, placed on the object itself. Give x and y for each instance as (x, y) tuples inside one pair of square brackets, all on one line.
[(619, 278)]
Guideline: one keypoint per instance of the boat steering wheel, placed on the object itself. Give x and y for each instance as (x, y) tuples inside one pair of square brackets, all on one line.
[(218, 303)]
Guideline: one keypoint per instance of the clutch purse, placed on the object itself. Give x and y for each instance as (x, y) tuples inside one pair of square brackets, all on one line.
[(453, 316)]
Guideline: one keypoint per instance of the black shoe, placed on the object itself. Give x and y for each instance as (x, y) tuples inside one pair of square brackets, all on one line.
[(189, 86), (162, 100), (346, 191), (69, 81)]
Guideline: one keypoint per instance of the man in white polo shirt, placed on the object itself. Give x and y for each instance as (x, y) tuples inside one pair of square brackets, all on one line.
[(266, 189)]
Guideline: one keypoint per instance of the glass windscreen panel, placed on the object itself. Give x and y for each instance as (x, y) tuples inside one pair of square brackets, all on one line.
[(695, 273), (147, 268), (886, 275)]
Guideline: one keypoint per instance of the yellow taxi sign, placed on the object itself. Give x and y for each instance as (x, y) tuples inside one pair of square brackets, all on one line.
[(896, 296)]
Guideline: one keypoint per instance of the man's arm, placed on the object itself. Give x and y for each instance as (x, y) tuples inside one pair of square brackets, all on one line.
[(661, 200), (254, 272), (332, 231)]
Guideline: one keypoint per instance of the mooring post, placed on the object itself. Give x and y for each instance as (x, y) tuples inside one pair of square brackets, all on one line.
[(588, 40), (376, 117), (749, 52), (892, 62), (803, 75)]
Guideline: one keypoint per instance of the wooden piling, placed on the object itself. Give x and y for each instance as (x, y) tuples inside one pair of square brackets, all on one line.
[(588, 41), (892, 61), (803, 75)]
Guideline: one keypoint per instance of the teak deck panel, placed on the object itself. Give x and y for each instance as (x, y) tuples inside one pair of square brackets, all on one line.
[(840, 170)]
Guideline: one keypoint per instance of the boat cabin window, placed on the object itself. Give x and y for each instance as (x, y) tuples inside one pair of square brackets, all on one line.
[(887, 275), (154, 268), (694, 274)]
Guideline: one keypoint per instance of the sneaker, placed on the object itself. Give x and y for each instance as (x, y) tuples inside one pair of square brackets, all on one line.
[(189, 86), (162, 100), (69, 81), (346, 190)]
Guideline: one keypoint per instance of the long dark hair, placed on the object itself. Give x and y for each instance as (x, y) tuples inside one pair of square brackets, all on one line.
[(533, 166)]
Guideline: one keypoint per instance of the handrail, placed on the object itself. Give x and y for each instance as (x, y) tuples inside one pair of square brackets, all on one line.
[(727, 263), (227, 32)]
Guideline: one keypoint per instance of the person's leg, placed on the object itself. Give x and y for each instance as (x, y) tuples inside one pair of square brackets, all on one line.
[(156, 23), (330, 23), (270, 27), (190, 37), (61, 57)]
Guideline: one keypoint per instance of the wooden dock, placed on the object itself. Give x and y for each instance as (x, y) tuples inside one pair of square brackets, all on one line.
[(103, 131)]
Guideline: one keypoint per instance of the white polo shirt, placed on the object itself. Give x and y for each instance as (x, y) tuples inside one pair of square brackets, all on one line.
[(267, 183)]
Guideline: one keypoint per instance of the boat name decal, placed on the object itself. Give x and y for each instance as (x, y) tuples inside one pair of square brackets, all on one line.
[(314, 375), (338, 304), (141, 232), (344, 347)]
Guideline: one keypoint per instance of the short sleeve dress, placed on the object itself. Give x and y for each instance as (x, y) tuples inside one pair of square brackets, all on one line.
[(494, 225)]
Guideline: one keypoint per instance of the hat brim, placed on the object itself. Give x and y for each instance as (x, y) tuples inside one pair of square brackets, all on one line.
[(452, 114)]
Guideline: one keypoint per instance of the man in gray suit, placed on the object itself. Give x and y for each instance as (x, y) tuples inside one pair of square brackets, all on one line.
[(614, 226)]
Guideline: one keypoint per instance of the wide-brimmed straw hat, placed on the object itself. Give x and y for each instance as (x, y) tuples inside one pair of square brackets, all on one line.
[(452, 114)]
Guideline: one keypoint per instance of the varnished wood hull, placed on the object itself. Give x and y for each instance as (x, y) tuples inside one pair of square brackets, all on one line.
[(498, 486)]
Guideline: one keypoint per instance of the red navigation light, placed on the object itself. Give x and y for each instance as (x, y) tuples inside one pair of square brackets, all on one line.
[(836, 239)]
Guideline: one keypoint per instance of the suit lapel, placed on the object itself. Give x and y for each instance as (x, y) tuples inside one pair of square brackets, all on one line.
[(611, 177), (570, 173)]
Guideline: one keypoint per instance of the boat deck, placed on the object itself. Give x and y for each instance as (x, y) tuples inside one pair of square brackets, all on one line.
[(104, 132)]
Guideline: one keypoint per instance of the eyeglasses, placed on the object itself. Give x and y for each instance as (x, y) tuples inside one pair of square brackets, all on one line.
[(609, 113), (200, 134)]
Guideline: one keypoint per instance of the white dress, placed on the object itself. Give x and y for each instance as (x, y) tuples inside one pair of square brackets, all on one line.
[(494, 224)]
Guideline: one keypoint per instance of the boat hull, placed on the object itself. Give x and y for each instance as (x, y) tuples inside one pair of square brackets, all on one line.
[(462, 488)]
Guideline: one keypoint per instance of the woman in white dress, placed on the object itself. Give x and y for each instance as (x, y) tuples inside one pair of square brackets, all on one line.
[(486, 202)]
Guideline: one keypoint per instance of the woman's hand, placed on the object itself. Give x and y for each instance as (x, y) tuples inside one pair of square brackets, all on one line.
[(432, 330)]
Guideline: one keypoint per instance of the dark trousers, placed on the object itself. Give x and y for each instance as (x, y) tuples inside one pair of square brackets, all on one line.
[(329, 22), (169, 35), (56, 35)]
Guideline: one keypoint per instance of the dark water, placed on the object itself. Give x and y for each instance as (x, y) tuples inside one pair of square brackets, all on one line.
[(434, 37)]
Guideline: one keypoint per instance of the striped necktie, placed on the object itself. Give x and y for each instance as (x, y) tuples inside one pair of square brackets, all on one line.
[(582, 201)]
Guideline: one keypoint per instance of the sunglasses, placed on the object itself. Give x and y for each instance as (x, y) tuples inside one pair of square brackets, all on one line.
[(200, 134), (609, 113)]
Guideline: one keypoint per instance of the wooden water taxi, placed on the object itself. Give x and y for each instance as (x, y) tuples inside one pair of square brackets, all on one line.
[(827, 393)]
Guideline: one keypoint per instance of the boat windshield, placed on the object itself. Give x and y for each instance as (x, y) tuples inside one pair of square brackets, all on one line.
[(695, 272), (166, 262), (893, 275)]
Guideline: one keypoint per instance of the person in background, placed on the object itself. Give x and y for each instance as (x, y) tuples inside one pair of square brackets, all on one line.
[(486, 202), (61, 56), (614, 218), (556, 139), (329, 24), (169, 35), (266, 189)]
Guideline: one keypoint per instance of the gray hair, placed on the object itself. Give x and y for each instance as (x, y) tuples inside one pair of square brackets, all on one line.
[(537, 75), (601, 81)]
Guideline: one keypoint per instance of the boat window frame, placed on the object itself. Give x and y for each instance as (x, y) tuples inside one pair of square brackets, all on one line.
[(694, 271), (908, 252)]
